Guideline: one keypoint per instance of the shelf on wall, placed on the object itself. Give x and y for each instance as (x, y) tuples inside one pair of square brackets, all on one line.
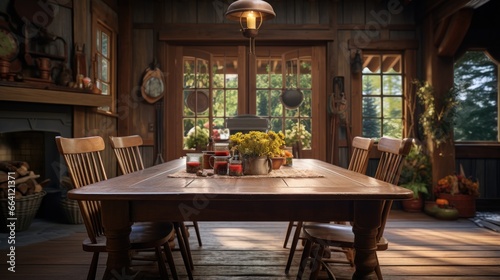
[(51, 95)]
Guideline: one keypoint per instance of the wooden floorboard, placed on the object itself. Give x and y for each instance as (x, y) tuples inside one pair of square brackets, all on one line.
[(420, 247)]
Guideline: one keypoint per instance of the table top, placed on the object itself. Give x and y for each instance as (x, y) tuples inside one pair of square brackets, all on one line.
[(153, 183)]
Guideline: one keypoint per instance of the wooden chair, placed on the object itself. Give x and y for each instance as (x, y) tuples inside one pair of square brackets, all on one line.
[(84, 162), (359, 162), (393, 152), (126, 149)]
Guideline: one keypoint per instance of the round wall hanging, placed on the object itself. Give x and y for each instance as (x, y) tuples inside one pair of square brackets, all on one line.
[(152, 88), (197, 101)]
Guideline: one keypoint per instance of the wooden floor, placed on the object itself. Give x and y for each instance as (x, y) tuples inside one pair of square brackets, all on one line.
[(421, 247)]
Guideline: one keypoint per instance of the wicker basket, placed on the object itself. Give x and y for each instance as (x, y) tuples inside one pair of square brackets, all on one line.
[(26, 208), (71, 211)]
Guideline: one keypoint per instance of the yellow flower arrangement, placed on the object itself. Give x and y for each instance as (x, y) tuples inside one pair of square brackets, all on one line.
[(257, 143)]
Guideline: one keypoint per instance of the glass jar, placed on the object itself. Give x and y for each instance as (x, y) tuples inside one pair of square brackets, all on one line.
[(220, 164), (208, 160), (194, 162), (235, 168), (221, 149)]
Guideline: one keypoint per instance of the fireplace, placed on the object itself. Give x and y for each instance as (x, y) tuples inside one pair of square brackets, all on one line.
[(27, 133)]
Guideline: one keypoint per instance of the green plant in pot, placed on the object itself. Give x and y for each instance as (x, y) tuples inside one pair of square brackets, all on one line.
[(197, 139), (416, 175)]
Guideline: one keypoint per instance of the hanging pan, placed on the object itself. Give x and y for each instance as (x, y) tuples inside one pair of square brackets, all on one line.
[(291, 98)]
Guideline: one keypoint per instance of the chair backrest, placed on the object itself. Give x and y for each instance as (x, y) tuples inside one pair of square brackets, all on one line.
[(393, 151), (246, 123), (127, 152), (361, 148), (85, 166)]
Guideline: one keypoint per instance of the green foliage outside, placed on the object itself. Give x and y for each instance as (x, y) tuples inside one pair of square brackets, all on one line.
[(269, 86), (382, 111), (477, 112)]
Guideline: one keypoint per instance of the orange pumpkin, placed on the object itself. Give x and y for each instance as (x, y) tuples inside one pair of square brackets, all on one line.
[(442, 202)]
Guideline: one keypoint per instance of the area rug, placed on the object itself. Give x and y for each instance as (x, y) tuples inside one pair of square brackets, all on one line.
[(489, 220)]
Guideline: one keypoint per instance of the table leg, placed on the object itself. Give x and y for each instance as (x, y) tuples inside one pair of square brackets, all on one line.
[(367, 218), (116, 223)]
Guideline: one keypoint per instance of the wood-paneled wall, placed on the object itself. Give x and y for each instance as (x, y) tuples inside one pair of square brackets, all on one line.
[(148, 28)]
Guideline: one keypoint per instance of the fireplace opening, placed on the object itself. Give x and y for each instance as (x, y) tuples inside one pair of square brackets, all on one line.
[(27, 134), (37, 149)]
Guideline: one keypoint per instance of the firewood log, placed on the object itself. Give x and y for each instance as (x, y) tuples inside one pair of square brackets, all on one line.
[(23, 188), (22, 170), (7, 166), (38, 188)]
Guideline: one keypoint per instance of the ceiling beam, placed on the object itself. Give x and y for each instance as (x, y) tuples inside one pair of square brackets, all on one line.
[(442, 9)]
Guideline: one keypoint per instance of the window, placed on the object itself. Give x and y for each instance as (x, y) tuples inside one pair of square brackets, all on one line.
[(103, 62), (288, 72), (477, 114), (382, 98), (210, 89), (221, 82)]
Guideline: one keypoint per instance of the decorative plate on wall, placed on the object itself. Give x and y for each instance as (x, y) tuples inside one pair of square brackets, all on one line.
[(152, 88), (197, 101)]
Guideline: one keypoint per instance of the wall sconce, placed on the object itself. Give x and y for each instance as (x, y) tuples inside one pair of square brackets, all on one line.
[(356, 63), (250, 14)]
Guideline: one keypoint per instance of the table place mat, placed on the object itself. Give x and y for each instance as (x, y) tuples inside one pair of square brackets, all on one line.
[(284, 172)]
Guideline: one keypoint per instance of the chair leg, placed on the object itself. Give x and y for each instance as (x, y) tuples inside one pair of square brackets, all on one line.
[(288, 231), (161, 263), (170, 261), (197, 230), (186, 255), (295, 240), (304, 258), (316, 263), (93, 266)]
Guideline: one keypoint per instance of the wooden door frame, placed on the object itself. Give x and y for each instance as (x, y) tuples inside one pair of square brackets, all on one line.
[(173, 60)]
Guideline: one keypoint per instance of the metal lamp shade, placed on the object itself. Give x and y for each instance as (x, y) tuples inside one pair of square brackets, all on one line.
[(241, 8)]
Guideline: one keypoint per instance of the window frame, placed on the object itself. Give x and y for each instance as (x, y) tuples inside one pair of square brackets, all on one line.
[(485, 142), (408, 51), (98, 22)]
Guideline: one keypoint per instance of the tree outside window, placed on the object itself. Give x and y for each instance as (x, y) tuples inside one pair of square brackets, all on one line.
[(382, 101), (477, 114)]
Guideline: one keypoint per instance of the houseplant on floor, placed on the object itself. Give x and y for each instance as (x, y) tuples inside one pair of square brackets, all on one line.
[(416, 175)]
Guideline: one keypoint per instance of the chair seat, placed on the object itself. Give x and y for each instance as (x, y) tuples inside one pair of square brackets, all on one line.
[(336, 235), (144, 235)]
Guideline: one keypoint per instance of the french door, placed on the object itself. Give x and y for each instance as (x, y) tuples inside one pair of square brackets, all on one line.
[(214, 83)]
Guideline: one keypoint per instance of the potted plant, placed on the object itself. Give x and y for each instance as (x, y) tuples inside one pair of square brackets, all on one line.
[(197, 139), (256, 148), (277, 148), (460, 192), (416, 176)]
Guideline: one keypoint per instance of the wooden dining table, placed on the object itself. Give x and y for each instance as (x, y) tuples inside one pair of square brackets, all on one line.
[(159, 193)]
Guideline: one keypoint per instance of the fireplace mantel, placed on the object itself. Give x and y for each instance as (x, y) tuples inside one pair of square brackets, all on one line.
[(52, 96)]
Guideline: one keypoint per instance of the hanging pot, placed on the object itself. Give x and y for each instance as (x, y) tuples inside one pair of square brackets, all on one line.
[(291, 98)]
